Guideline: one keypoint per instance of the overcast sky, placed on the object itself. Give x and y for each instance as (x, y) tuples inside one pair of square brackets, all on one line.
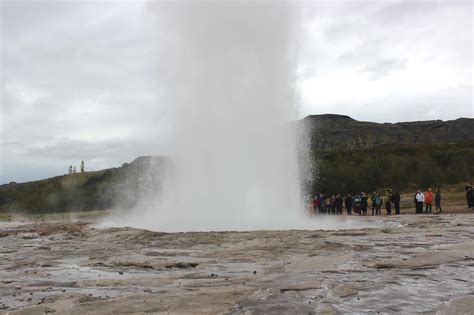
[(79, 78)]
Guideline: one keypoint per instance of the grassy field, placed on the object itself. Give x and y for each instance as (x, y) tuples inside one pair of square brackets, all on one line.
[(57, 216), (5, 217)]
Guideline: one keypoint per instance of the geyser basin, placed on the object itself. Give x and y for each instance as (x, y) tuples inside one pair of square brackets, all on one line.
[(197, 225), (422, 267)]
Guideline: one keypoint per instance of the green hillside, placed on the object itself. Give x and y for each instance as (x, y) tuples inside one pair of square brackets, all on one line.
[(338, 154), (342, 155), (115, 187), (401, 167)]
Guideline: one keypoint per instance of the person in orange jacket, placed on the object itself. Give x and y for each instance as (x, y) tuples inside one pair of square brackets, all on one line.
[(428, 200)]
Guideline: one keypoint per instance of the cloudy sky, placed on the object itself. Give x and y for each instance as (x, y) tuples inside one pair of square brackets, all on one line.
[(80, 78)]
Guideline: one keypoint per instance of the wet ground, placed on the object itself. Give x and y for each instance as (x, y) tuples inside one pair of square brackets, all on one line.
[(408, 264)]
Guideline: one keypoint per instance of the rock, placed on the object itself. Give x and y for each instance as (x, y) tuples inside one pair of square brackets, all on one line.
[(317, 263), (345, 290), (182, 265), (422, 260), (305, 285), (325, 309), (30, 236), (462, 305)]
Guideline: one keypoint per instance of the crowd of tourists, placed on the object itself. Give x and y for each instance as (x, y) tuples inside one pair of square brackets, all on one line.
[(359, 204)]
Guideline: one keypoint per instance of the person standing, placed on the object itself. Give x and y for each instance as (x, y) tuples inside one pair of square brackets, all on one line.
[(322, 201), (428, 201), (419, 200), (414, 201), (388, 200), (364, 202), (472, 197), (348, 204), (333, 205), (388, 205), (469, 195), (372, 198), (396, 202), (356, 204), (316, 204), (438, 200), (339, 202), (328, 205), (378, 204)]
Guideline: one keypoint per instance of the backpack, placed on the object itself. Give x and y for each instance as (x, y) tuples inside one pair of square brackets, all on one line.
[(378, 200)]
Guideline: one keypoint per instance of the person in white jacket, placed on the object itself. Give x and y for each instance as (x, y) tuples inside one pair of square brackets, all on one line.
[(419, 200)]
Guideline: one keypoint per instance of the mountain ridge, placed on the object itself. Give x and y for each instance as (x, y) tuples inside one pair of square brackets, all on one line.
[(332, 131)]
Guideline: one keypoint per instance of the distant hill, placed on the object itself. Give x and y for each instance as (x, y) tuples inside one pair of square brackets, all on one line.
[(328, 132), (341, 154), (345, 155), (115, 187)]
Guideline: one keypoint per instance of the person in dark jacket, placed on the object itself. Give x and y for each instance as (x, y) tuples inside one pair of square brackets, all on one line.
[(363, 203), (388, 205), (339, 203), (333, 204), (438, 200), (378, 200), (396, 202), (372, 198), (469, 195), (322, 202), (388, 200), (328, 205), (348, 204), (356, 204)]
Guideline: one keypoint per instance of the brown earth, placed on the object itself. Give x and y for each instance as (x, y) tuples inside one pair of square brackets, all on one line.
[(405, 264)]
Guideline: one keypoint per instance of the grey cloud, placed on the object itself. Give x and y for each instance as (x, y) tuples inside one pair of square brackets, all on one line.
[(383, 68), (70, 149), (78, 79), (368, 45), (87, 79), (404, 11)]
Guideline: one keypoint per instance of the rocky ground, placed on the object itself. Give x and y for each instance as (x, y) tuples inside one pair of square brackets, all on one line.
[(406, 264)]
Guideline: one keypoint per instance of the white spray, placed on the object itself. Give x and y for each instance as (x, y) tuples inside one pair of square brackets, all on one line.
[(228, 72)]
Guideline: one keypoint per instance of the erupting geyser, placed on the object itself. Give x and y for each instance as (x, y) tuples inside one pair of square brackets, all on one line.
[(228, 68)]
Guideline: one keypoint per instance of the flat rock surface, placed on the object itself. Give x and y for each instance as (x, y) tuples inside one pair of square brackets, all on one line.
[(405, 264)]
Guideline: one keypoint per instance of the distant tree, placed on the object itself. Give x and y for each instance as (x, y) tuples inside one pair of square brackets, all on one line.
[(399, 167), (70, 169), (82, 166), (74, 169)]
